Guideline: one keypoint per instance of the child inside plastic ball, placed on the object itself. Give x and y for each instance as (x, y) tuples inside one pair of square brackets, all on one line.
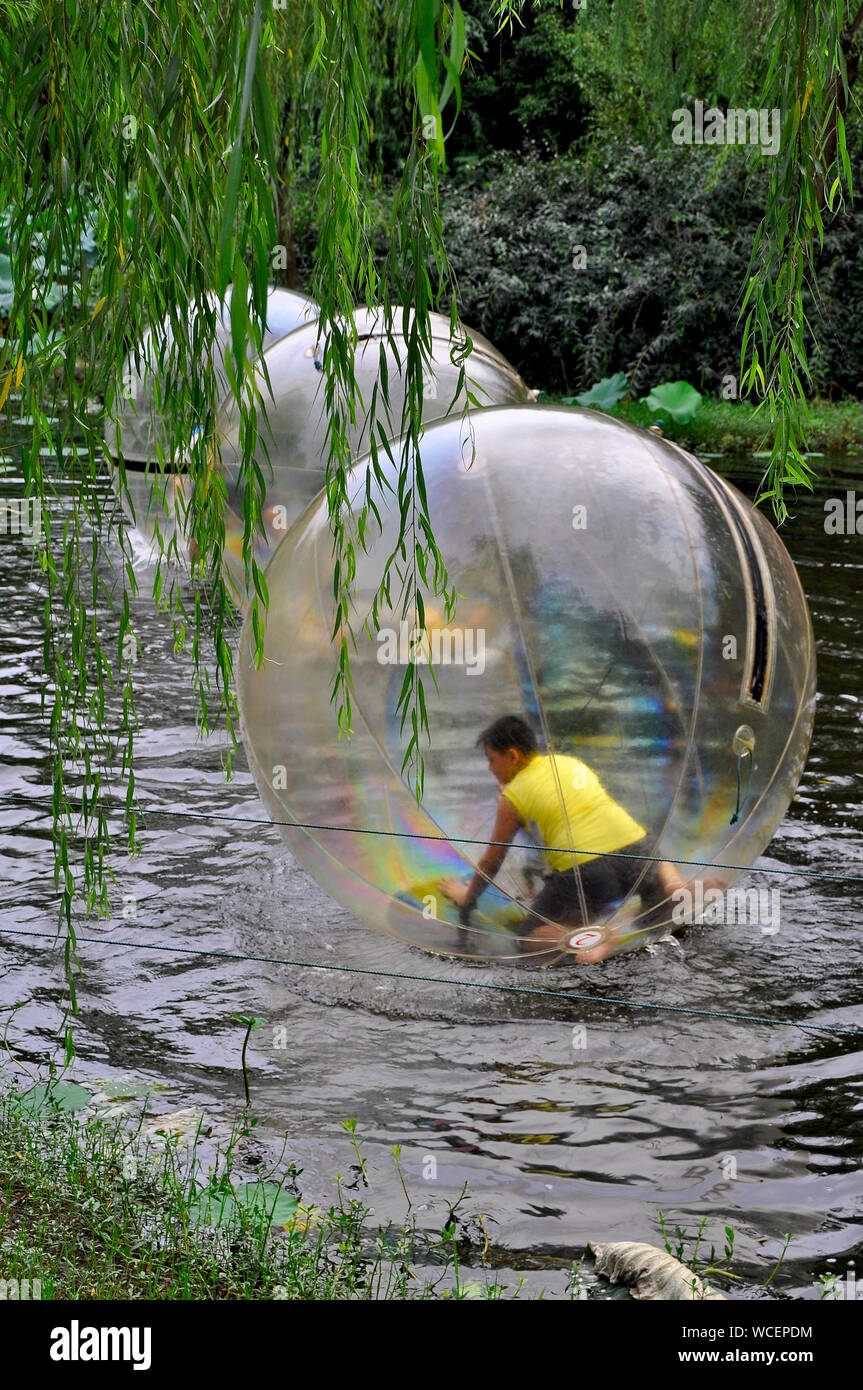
[(564, 800)]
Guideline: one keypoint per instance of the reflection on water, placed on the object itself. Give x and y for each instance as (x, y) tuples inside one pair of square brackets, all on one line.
[(569, 1120)]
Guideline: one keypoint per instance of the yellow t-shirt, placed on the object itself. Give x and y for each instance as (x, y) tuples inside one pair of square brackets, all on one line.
[(568, 805)]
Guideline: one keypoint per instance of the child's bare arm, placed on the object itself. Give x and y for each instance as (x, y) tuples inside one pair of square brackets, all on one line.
[(506, 823)]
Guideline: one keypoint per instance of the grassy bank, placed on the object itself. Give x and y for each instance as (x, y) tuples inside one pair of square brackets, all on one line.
[(95, 1208), (737, 428)]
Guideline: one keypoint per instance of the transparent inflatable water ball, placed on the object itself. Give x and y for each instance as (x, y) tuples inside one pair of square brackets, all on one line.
[(294, 439), (157, 495), (619, 600), (140, 427)]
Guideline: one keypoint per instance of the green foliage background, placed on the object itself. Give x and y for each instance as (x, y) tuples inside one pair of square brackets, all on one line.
[(563, 141)]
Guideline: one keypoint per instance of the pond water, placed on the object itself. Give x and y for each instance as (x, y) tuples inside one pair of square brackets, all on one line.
[(568, 1120)]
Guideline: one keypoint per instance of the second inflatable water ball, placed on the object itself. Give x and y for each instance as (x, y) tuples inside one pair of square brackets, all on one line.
[(294, 440), (623, 604)]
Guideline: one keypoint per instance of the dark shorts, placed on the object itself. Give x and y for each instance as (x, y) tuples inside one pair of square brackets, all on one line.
[(598, 886)]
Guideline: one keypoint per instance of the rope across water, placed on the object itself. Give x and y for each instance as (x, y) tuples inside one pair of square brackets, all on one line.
[(461, 984), (835, 1029)]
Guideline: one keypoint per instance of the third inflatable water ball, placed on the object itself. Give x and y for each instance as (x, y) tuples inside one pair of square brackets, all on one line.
[(624, 605), (139, 428), (157, 491)]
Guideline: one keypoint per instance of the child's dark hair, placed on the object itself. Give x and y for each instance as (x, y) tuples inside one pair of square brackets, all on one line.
[(508, 732)]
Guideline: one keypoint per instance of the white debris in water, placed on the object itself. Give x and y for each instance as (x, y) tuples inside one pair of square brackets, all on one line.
[(186, 1123)]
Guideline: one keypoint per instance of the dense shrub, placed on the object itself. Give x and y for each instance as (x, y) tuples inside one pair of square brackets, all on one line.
[(667, 239), (837, 361), (665, 258)]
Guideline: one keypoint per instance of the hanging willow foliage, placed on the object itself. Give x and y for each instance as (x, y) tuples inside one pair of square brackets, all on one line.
[(175, 130), (809, 45)]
